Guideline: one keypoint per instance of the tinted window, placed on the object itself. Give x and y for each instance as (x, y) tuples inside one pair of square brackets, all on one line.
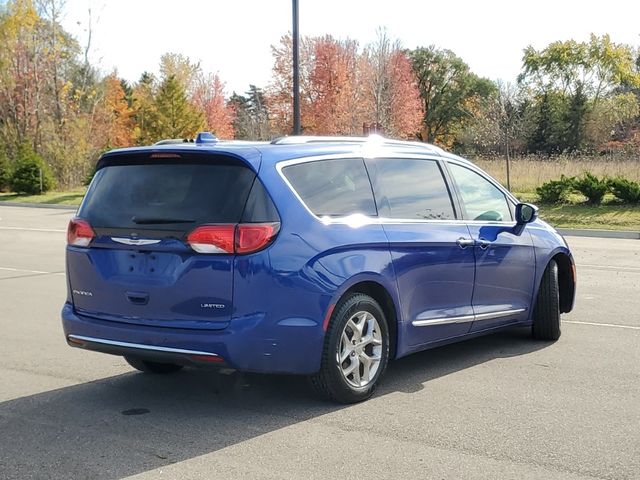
[(166, 196), (482, 199), (260, 207), (411, 189), (333, 187)]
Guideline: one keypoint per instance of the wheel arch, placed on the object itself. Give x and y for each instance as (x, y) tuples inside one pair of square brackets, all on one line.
[(382, 295), (566, 280)]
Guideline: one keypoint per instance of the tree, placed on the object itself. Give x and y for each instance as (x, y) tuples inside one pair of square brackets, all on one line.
[(251, 120), (499, 124), (208, 97), (334, 105), (450, 93), (5, 169), (180, 66), (117, 116), (547, 117), (173, 116), (391, 96), (144, 107), (31, 174), (596, 67), (577, 77), (279, 93)]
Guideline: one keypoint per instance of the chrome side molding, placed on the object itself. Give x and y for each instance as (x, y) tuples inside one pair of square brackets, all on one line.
[(466, 318)]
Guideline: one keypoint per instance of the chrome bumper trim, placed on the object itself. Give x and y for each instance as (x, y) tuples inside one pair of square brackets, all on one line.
[(140, 346)]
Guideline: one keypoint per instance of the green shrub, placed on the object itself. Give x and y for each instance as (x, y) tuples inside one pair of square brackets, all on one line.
[(555, 191), (26, 174), (5, 170), (592, 187), (626, 190)]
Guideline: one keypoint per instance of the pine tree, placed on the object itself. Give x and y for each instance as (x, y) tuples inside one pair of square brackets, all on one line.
[(173, 116)]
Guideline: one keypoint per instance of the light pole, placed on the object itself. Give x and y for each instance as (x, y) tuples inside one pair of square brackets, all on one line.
[(296, 71)]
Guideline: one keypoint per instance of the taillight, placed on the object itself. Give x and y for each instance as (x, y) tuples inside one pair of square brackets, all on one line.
[(79, 233), (242, 238), (212, 239), (251, 237)]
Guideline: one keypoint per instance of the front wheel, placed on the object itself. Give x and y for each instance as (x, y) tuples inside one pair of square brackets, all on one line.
[(546, 314), (356, 351), (152, 367)]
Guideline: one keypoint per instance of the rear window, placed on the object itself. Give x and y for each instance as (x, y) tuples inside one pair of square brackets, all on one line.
[(333, 187), (171, 197)]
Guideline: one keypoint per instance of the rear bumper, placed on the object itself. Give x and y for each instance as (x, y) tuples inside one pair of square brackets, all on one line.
[(249, 344), (148, 352)]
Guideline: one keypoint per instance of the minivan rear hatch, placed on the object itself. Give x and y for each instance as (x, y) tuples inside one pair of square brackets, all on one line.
[(154, 240)]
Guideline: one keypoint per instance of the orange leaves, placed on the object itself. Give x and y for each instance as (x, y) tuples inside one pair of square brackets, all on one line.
[(208, 97), (343, 90), (118, 115), (405, 112), (333, 89)]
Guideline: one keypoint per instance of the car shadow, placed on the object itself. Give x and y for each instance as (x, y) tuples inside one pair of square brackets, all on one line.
[(131, 423)]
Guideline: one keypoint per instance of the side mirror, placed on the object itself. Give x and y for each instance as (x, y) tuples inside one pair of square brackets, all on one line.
[(526, 213)]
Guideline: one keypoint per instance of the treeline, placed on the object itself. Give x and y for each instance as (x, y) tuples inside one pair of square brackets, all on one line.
[(58, 113)]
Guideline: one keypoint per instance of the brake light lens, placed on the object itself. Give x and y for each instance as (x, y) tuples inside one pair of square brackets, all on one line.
[(79, 233), (251, 237), (230, 239), (212, 239)]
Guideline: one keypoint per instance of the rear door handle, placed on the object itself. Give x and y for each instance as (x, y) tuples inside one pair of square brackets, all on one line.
[(465, 242), (483, 244)]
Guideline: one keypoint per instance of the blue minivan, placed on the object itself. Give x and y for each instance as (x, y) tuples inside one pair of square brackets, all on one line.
[(320, 256)]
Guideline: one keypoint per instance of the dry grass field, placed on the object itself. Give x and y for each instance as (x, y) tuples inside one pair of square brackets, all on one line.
[(527, 173)]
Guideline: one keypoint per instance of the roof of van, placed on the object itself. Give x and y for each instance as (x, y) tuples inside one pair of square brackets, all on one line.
[(286, 148)]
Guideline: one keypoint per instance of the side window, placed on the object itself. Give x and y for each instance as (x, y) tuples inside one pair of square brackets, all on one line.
[(482, 199), (411, 189), (333, 187)]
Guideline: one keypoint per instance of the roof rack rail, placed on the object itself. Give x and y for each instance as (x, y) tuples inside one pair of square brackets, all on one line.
[(174, 141), (202, 138), (306, 139)]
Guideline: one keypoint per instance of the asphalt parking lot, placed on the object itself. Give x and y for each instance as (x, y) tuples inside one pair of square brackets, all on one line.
[(502, 406)]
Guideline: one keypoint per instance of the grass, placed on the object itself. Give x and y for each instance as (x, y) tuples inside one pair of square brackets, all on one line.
[(611, 215), (69, 197), (574, 214), (527, 173)]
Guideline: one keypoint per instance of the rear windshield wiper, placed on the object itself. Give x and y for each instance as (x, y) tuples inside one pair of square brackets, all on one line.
[(159, 221)]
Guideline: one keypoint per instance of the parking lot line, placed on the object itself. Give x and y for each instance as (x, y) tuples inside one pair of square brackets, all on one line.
[(630, 327), (10, 269), (609, 267), (55, 230)]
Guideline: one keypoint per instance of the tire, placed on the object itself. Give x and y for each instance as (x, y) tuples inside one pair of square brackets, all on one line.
[(152, 367), (546, 313), (358, 333)]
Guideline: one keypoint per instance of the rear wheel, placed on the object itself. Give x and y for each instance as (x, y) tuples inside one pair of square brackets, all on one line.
[(356, 351), (152, 367), (546, 314)]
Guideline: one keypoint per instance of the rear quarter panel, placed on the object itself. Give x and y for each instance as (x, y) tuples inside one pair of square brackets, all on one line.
[(285, 291)]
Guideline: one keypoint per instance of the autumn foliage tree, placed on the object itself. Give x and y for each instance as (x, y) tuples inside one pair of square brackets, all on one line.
[(391, 94), (118, 116), (209, 98), (343, 89), (333, 94)]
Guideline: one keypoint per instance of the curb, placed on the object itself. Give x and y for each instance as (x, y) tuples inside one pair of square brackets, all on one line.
[(39, 205), (576, 232)]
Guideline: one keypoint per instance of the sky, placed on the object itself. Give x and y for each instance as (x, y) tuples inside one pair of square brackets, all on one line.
[(233, 38)]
